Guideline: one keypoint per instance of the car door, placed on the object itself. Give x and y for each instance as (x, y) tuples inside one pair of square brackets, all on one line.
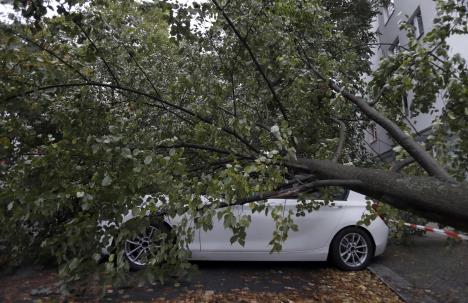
[(317, 228), (262, 225), (218, 238)]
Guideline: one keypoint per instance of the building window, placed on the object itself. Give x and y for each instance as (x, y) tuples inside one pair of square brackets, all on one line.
[(394, 48), (388, 10), (406, 105), (417, 23)]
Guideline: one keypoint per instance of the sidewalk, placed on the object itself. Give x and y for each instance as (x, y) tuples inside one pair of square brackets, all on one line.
[(433, 269)]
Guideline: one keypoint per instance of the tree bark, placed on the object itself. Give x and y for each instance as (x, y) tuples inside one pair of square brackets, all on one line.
[(430, 197)]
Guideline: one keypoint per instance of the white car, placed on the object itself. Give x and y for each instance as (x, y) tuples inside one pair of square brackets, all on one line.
[(330, 233)]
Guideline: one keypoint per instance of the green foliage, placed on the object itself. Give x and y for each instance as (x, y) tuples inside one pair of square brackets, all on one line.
[(113, 101), (395, 219)]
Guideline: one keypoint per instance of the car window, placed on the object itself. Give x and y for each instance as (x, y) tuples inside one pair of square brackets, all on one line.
[(333, 192)]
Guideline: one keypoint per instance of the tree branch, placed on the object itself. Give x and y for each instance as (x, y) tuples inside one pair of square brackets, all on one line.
[(411, 146), (303, 178), (339, 147), (427, 196), (375, 152), (259, 125), (156, 91), (292, 191), (170, 111), (204, 147), (51, 53), (109, 69), (212, 166), (402, 114), (226, 4), (379, 95), (131, 90), (254, 59), (399, 165)]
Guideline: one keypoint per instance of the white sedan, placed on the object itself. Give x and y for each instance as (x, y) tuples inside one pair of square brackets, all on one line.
[(330, 233)]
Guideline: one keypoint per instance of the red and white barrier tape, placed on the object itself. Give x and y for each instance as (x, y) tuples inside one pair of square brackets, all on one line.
[(445, 232)]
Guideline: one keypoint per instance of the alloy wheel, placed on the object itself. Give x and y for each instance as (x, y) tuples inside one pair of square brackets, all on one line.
[(353, 249), (141, 249)]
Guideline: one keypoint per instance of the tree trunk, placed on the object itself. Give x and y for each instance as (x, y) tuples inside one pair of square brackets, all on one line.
[(429, 197)]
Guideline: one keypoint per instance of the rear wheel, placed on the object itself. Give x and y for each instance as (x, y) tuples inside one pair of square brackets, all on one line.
[(352, 249)]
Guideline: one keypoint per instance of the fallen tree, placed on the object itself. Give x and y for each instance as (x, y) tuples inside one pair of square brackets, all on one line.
[(101, 106)]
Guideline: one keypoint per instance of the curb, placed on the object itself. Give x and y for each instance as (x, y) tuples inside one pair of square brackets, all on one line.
[(404, 289)]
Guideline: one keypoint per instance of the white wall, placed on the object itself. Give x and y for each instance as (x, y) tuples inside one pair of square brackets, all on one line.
[(389, 31)]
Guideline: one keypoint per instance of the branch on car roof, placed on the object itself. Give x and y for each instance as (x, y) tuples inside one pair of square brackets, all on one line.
[(426, 196), (292, 191), (285, 193), (302, 178)]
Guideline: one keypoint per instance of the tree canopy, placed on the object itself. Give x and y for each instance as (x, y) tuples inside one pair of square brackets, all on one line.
[(106, 102)]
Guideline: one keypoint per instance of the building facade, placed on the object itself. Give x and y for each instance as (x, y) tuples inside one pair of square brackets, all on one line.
[(420, 13)]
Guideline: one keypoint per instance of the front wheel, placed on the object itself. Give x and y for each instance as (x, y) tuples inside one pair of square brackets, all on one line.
[(140, 250), (352, 249)]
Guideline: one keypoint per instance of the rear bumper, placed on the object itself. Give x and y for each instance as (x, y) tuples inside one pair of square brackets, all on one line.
[(379, 231)]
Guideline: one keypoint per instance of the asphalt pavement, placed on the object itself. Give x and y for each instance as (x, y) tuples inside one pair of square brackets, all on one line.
[(222, 277), (429, 269), (28, 282)]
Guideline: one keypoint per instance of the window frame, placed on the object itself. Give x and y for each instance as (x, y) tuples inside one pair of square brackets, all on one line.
[(388, 11), (406, 105), (418, 24), (394, 49), (373, 133)]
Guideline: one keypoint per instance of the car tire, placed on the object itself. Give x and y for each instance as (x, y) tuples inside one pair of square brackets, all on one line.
[(138, 251), (352, 249)]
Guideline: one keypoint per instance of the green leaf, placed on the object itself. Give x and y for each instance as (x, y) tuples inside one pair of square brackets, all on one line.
[(148, 160), (106, 181), (126, 153)]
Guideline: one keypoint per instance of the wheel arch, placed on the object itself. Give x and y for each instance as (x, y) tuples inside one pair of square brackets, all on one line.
[(167, 224), (158, 219)]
